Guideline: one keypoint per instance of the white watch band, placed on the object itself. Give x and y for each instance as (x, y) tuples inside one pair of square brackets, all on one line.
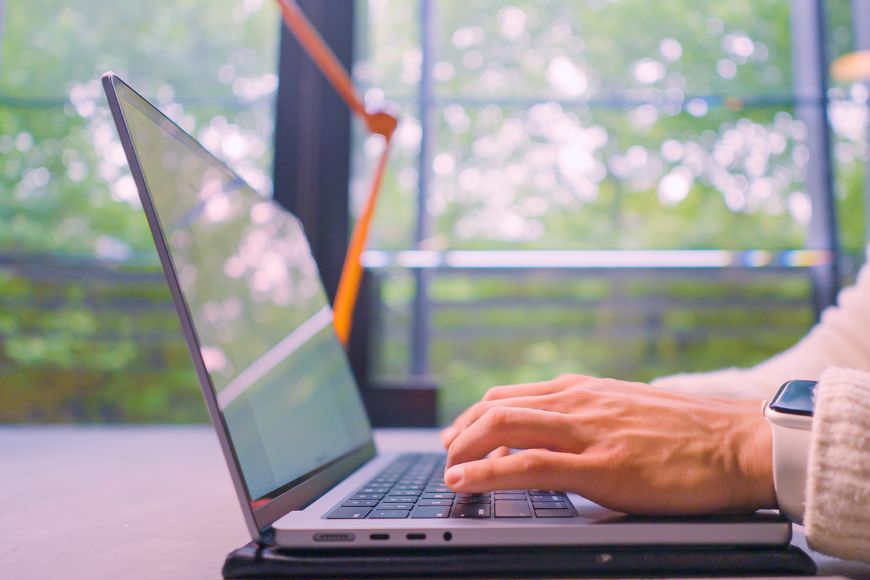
[(791, 445)]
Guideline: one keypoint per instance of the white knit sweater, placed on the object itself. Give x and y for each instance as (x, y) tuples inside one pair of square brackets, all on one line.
[(836, 352)]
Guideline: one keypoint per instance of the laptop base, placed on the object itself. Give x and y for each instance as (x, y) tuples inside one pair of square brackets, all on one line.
[(254, 561)]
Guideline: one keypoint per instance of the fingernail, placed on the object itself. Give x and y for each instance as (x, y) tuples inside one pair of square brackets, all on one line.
[(454, 475)]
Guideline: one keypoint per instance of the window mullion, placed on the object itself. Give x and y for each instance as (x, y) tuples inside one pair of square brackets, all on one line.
[(810, 76)]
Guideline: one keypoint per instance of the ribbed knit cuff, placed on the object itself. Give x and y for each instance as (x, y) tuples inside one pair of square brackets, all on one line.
[(837, 514)]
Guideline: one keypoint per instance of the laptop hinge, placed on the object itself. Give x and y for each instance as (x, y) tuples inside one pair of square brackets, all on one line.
[(267, 536)]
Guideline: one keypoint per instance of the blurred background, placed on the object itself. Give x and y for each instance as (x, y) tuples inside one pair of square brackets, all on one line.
[(612, 187)]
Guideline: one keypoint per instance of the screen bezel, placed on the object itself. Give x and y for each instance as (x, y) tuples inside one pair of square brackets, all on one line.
[(296, 494)]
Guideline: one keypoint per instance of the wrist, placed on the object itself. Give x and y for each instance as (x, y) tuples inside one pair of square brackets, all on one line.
[(753, 449)]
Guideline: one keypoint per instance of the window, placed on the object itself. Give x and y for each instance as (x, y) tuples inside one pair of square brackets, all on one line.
[(87, 330), (578, 133)]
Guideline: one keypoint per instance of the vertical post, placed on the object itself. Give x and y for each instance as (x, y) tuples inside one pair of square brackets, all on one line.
[(312, 139), (861, 34), (810, 74), (2, 24), (421, 307)]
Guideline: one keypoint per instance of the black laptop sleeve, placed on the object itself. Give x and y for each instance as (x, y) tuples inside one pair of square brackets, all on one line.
[(254, 561)]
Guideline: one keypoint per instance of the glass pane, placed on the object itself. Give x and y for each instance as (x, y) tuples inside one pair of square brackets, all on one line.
[(563, 178), (612, 124), (848, 115), (492, 330), (600, 48), (85, 310)]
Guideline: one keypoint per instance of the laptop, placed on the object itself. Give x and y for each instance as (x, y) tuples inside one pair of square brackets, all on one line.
[(283, 401)]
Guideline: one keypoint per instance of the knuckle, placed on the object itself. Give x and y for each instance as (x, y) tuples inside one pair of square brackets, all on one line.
[(475, 411), (496, 417), (577, 393), (533, 461), (493, 393)]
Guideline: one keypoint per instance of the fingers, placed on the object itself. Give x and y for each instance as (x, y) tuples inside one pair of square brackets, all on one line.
[(515, 427), (533, 468), (474, 412), (529, 389), (514, 391)]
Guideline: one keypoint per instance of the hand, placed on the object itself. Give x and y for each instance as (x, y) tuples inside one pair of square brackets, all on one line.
[(627, 446)]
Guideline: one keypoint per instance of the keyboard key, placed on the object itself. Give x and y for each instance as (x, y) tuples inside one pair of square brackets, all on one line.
[(554, 513), (348, 513), (511, 496), (543, 492), (512, 509), (548, 498), (367, 496), (431, 511), (473, 499), (360, 503), (400, 499), (396, 506), (471, 510), (431, 502), (550, 505), (437, 489), (405, 491), (380, 514), (438, 495)]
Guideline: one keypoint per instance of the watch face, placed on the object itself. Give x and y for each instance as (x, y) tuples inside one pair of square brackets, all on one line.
[(795, 397)]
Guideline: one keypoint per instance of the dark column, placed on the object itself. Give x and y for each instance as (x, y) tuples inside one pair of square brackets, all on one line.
[(810, 74), (423, 227), (312, 138)]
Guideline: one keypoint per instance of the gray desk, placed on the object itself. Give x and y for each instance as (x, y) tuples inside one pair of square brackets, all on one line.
[(140, 502)]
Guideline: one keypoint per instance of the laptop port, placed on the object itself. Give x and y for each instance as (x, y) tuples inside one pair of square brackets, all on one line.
[(416, 536), (334, 537), (448, 536), (379, 536)]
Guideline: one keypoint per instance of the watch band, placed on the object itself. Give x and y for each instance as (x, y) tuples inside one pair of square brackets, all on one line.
[(790, 416), (791, 443)]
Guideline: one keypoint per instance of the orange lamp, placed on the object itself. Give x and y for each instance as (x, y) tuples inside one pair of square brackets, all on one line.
[(852, 67), (377, 122)]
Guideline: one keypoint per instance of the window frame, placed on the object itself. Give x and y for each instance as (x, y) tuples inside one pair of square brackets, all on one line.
[(324, 210)]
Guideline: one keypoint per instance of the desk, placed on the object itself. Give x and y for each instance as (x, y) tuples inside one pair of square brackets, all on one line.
[(142, 502)]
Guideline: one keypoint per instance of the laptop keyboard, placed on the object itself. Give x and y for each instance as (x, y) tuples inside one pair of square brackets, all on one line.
[(412, 486)]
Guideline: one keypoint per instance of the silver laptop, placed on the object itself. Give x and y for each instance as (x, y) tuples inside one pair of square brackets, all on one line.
[(281, 396)]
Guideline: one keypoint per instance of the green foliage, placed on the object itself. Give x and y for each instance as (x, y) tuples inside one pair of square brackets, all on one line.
[(525, 156)]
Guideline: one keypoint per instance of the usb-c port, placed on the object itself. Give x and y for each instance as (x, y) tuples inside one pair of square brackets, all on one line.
[(416, 536), (380, 536)]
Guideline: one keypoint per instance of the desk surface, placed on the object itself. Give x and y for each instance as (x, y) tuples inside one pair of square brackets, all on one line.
[(142, 502)]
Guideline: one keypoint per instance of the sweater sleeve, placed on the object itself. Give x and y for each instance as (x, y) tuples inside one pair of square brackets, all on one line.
[(837, 515), (839, 339)]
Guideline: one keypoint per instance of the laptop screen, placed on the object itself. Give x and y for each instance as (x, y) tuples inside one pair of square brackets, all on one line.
[(264, 327)]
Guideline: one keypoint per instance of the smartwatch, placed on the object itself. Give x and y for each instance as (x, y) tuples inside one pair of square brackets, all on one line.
[(790, 416)]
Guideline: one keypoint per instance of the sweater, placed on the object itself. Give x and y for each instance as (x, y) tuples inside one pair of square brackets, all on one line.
[(836, 352)]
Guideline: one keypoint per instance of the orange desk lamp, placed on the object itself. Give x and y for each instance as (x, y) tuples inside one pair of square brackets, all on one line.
[(377, 122), (852, 67)]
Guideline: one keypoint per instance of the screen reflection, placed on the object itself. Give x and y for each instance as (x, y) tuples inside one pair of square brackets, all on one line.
[(258, 307)]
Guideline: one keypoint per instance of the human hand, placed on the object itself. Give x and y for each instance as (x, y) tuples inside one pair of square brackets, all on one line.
[(627, 446)]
